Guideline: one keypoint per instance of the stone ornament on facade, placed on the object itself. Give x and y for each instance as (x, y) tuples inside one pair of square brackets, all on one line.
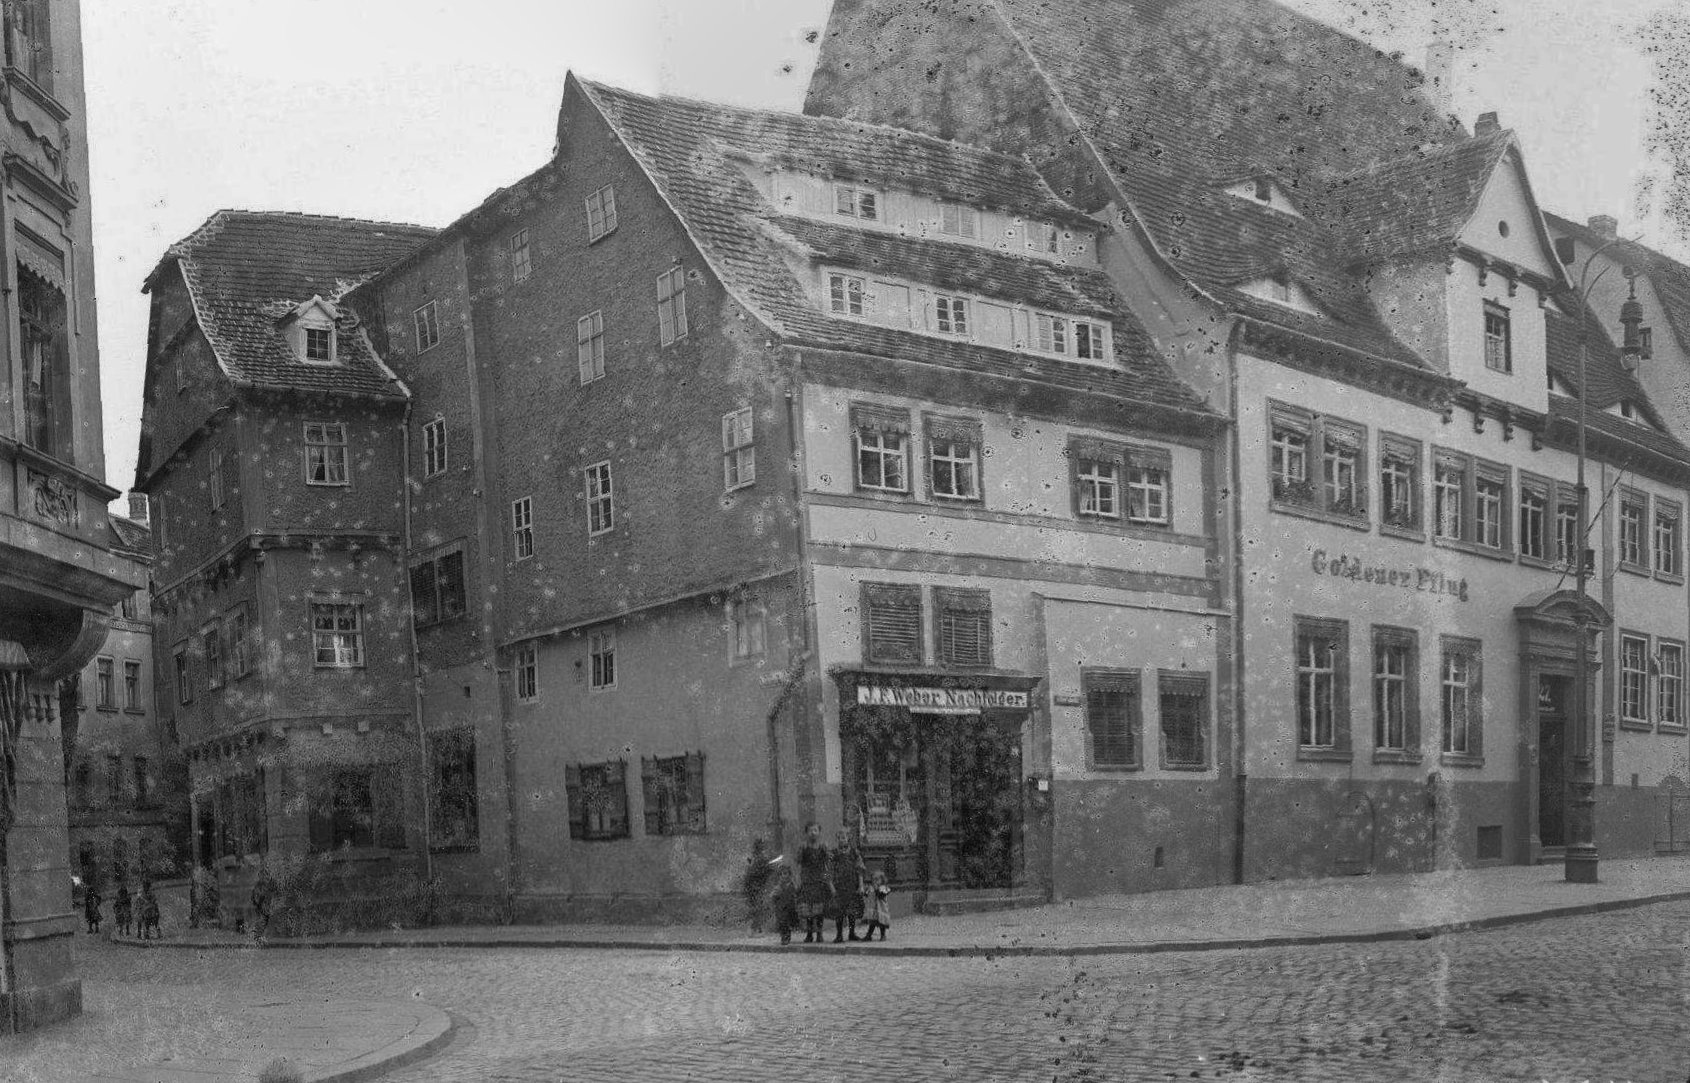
[(51, 499)]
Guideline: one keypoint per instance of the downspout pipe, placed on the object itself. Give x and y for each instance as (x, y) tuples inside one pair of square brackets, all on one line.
[(427, 818)]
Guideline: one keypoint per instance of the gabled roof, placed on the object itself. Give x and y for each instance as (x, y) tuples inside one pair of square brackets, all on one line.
[(132, 539), (1670, 278), (688, 149), (242, 268)]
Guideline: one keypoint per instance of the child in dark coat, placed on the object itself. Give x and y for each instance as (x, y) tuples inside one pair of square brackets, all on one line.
[(149, 910), (123, 910), (91, 908), (847, 905), (786, 904)]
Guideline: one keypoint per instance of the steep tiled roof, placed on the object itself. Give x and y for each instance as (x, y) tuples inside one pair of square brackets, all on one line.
[(243, 268), (687, 148), (1670, 278), (1410, 204), (1608, 383), (132, 539)]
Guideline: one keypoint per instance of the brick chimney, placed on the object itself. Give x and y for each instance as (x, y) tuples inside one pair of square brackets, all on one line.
[(1487, 124), (1605, 224), (1440, 74), (138, 508)]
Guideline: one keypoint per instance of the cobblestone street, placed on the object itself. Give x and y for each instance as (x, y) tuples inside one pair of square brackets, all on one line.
[(1598, 997)]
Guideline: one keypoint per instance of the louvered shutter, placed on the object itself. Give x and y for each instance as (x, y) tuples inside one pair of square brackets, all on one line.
[(451, 580), (892, 623), (577, 806), (422, 593), (1112, 717), (964, 626), (616, 798), (691, 800)]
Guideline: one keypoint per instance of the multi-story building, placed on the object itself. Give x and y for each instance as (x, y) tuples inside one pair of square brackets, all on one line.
[(58, 575), (1367, 290), (272, 451)]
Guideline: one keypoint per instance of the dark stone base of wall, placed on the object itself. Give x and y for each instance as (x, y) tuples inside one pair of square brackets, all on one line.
[(1628, 821), (711, 909), (1117, 838), (41, 1006)]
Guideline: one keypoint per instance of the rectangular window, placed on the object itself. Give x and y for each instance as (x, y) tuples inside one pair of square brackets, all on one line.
[(883, 448), (1469, 499), (1147, 486), (739, 450), (957, 220), (1341, 469), (1322, 671), (1669, 689), (1399, 482), (1088, 341), (455, 816), (589, 346), (601, 500), (1099, 483), (215, 477), (1569, 540), (46, 361), (963, 626), (748, 620), (672, 305), (1069, 338), (674, 794), (1634, 510), (953, 458), (522, 528), (337, 634), (601, 656), (105, 690), (1534, 519), (527, 673), (1298, 440), (1395, 680), (184, 681), (211, 649), (1463, 718), (601, 213), (437, 588), (114, 780), (1449, 480), (1044, 238), (29, 46), (1288, 459), (434, 448), (598, 800), (1499, 355), (132, 685), (892, 624), (522, 258), (425, 321), (845, 294), (240, 657), (1668, 545), (130, 607), (1183, 699), (950, 315), (1634, 679), (319, 344), (1104, 472), (325, 453), (1112, 718), (1052, 333), (855, 202), (1490, 497)]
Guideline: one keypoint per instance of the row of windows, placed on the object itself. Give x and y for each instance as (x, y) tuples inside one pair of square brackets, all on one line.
[(326, 460), (224, 652), (957, 221), (893, 630), (1319, 463), (1640, 669), (105, 684), (134, 786), (672, 788), (1115, 721)]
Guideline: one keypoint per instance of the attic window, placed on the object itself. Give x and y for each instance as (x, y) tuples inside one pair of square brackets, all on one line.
[(1281, 289), (854, 202), (319, 345), (1264, 191)]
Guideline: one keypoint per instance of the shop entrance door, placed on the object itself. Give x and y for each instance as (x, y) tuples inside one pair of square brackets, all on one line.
[(977, 791), (1553, 698)]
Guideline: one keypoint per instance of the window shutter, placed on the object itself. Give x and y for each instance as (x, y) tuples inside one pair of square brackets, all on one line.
[(892, 622), (616, 794), (965, 626), (1112, 716), (650, 785), (577, 807), (451, 569), (693, 809), (422, 593)]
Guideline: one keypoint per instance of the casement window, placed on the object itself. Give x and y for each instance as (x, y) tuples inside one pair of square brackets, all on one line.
[(1634, 679), (337, 635), (1668, 544), (240, 654), (1463, 701), (1396, 681), (522, 257), (672, 305), (1634, 511), (1113, 719), (892, 624), (601, 499), (1083, 339), (1044, 238), (882, 436), (184, 677), (1470, 500), (1147, 486), (425, 321), (1183, 700), (1533, 530), (1449, 484), (356, 808), (950, 315), (1499, 350), (454, 815), (1399, 482), (601, 659), (589, 346), (437, 588), (211, 649), (130, 607), (739, 450), (846, 294), (214, 477), (1490, 497), (434, 448), (1322, 674), (527, 670), (962, 626), (105, 690), (601, 213), (132, 685), (143, 782), (319, 345), (1298, 440), (1669, 687), (1101, 471), (598, 800), (748, 622), (522, 528), (325, 453), (953, 458), (854, 201), (1569, 539), (959, 220), (45, 348), (673, 789), (1097, 482)]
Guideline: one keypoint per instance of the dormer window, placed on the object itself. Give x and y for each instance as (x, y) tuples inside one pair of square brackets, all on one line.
[(956, 220), (1281, 289), (319, 344), (310, 329), (1044, 238), (855, 202), (1264, 191)]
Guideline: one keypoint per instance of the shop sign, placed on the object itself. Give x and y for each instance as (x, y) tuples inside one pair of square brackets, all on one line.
[(940, 700), (1403, 577)]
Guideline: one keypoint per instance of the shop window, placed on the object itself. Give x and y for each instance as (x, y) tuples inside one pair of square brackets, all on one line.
[(892, 624), (1634, 512), (454, 817), (1299, 440), (1112, 718), (882, 437), (1322, 696), (674, 794), (672, 305), (45, 347), (1183, 701), (437, 588), (1669, 688), (337, 633), (1499, 349), (527, 673), (1463, 700), (953, 458), (739, 450), (132, 686), (1668, 546), (1634, 679), (1396, 682), (601, 659), (598, 800), (963, 631), (601, 213), (105, 691)]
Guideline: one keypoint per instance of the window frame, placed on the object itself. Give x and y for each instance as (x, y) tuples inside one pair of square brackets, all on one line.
[(310, 337), (1088, 482), (525, 673), (602, 670), (950, 315), (657, 775), (238, 654), (132, 685), (1668, 514), (211, 652), (1499, 315), (589, 347), (1309, 745), (602, 218), (327, 447), (1542, 489), (1411, 454), (1056, 334), (356, 656), (672, 306), (1320, 437), (436, 562), (839, 295), (1177, 683), (522, 529), (522, 256), (748, 628), (1633, 678), (105, 683), (857, 201), (960, 220), (1407, 640), (1669, 708), (904, 604), (1473, 725), (601, 498), (425, 325), (739, 449), (1128, 683), (955, 604), (950, 432), (882, 421), (1474, 474), (184, 675), (435, 452), (605, 777), (1638, 500)]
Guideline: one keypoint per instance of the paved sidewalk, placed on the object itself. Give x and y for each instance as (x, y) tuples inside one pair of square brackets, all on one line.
[(1350, 909)]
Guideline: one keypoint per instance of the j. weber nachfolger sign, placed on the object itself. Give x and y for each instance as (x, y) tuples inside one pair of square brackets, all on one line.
[(940, 700), (1400, 576)]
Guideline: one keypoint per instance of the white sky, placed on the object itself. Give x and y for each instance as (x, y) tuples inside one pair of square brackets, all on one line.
[(414, 110)]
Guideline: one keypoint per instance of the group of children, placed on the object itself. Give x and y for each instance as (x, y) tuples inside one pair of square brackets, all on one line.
[(833, 884), (123, 910)]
